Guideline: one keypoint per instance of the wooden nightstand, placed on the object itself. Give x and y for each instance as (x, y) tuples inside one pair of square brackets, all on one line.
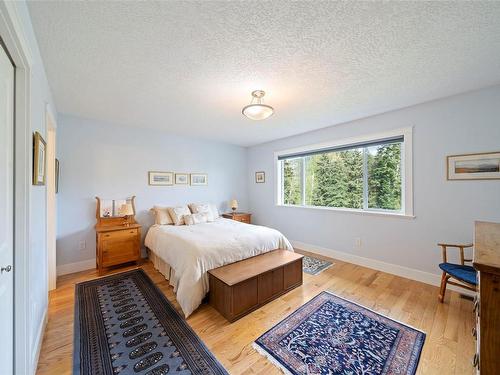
[(238, 216), (116, 245), (118, 238)]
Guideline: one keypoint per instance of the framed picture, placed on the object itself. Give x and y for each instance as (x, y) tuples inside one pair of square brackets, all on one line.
[(39, 150), (198, 179), (482, 166), (57, 175), (260, 177), (161, 178), (182, 178)]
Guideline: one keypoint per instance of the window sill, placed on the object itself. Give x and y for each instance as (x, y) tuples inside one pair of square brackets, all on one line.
[(351, 211)]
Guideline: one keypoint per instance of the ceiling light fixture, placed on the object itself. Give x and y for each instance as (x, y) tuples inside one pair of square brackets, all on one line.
[(256, 110)]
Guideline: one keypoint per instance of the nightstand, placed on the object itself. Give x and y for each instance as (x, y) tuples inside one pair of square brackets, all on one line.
[(117, 245), (118, 238), (238, 216)]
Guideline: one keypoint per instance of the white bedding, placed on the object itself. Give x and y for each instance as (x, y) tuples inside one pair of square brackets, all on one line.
[(193, 250)]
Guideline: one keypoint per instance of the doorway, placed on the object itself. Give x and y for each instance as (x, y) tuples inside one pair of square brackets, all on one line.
[(7, 103)]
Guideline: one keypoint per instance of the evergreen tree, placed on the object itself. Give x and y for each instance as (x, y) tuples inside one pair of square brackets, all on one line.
[(353, 161), (291, 182), (330, 184), (384, 182)]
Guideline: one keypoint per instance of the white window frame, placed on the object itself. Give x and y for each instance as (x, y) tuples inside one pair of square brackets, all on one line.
[(406, 172)]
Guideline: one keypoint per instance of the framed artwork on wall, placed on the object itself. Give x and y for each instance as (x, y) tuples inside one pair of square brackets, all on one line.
[(481, 166), (260, 177), (199, 179), (182, 178), (161, 178), (39, 150)]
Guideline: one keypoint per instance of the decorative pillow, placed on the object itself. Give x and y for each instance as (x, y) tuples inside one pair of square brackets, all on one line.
[(198, 218), (208, 208), (177, 214), (162, 217), (215, 211)]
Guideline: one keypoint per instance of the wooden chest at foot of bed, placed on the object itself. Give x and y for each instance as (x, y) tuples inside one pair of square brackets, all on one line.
[(239, 288)]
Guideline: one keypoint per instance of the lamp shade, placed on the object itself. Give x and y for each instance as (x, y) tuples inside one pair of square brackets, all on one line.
[(234, 204), (257, 110), (126, 209)]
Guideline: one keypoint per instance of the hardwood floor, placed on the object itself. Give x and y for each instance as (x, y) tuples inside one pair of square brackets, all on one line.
[(448, 348)]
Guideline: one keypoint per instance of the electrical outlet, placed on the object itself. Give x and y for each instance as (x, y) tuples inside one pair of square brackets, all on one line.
[(81, 245), (357, 242)]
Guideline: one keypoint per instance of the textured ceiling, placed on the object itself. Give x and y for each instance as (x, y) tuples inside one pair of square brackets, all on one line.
[(189, 67)]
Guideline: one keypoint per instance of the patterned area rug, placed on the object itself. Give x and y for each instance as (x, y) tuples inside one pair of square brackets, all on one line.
[(330, 335), (125, 325), (313, 266)]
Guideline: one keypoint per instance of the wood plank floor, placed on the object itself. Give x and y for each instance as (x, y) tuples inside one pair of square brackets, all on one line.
[(448, 349)]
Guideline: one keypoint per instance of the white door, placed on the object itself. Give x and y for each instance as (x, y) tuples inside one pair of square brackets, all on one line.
[(6, 213)]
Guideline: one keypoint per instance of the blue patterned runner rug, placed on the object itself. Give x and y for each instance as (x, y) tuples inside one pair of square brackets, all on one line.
[(125, 325), (331, 335)]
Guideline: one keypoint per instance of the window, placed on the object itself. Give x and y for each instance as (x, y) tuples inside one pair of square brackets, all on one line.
[(368, 174)]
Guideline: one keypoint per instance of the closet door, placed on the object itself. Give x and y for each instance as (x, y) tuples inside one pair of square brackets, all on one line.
[(6, 212)]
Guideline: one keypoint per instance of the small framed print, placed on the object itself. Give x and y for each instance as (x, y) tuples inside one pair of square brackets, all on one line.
[(260, 177), (161, 178), (39, 150), (482, 166), (181, 178), (199, 179)]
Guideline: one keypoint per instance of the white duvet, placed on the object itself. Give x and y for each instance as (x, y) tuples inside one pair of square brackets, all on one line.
[(192, 250)]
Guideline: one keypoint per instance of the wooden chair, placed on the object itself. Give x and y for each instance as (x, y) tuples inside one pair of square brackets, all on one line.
[(461, 274)]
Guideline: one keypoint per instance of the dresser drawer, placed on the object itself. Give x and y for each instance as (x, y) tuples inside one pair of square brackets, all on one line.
[(119, 234)]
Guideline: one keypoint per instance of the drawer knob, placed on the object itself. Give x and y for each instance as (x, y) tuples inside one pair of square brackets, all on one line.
[(475, 360)]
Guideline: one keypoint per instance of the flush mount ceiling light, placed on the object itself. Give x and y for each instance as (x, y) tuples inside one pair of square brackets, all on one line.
[(256, 110)]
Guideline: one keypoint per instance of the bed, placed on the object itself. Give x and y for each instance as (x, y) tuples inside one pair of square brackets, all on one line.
[(184, 253)]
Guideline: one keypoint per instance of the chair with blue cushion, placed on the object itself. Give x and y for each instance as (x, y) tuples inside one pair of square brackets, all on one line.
[(461, 274)]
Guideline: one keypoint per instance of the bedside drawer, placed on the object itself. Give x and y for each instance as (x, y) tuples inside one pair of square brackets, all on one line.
[(119, 234)]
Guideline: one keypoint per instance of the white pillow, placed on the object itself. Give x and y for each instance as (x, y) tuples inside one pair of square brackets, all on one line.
[(198, 218), (215, 211), (208, 208), (177, 214), (162, 217)]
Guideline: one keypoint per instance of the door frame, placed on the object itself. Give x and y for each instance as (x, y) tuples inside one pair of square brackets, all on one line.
[(16, 42), (51, 202)]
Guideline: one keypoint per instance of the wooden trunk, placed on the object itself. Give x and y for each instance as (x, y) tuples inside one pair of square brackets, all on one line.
[(239, 288)]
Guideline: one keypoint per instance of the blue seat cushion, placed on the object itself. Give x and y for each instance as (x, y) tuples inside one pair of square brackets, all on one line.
[(462, 273)]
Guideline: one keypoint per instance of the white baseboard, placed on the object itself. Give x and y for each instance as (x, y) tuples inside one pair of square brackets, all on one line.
[(64, 269), (39, 341), (395, 269)]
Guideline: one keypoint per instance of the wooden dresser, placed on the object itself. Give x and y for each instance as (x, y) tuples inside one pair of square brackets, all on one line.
[(239, 288), (118, 240), (487, 304), (239, 216)]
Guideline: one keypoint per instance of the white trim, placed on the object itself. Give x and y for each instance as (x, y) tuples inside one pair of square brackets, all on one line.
[(15, 40), (50, 197), (39, 340), (64, 269), (406, 172), (395, 269), (386, 213)]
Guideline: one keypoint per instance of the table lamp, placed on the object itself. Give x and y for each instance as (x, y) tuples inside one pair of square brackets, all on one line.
[(234, 204), (126, 210)]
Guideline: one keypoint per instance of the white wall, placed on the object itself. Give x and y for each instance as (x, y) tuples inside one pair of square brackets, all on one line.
[(113, 162), (40, 97), (445, 210)]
